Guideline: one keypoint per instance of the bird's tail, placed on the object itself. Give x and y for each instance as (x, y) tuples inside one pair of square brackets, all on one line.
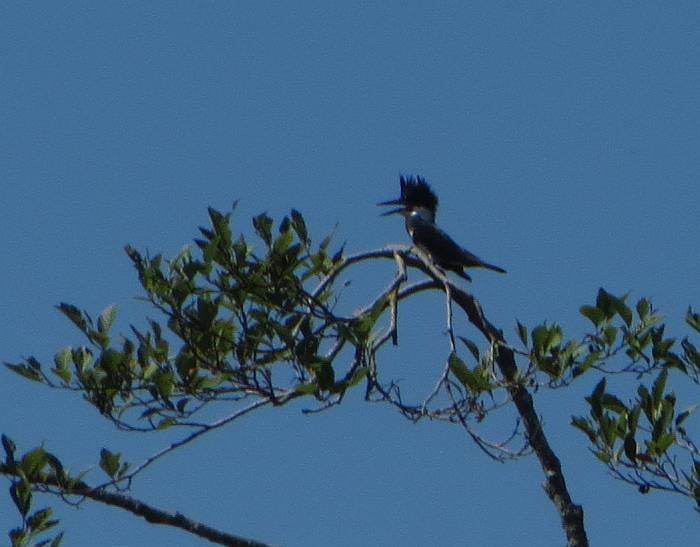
[(492, 267)]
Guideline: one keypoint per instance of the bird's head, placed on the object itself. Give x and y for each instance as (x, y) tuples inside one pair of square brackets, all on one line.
[(417, 198)]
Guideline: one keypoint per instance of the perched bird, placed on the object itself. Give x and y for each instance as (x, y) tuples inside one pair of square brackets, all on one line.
[(418, 205)]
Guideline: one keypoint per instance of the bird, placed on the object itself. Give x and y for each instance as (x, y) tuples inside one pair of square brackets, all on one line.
[(418, 205)]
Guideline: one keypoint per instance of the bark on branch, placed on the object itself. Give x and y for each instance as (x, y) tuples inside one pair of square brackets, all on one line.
[(570, 513), (138, 508)]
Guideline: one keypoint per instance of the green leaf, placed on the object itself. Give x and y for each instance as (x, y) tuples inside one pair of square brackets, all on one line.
[(325, 242), (630, 446), (217, 219), (300, 226), (475, 380), (471, 346), (164, 381), (81, 359), (263, 227), (57, 467), (186, 364), (240, 249), (165, 423), (285, 225), (109, 462), (325, 375), (608, 428), (459, 369), (595, 315), (662, 346), (210, 382), (664, 417), (522, 333), (39, 521), (283, 242), (684, 415), (664, 442), (10, 448), (357, 376), (623, 310), (25, 371), (545, 338), (691, 353), (645, 402), (19, 537), (643, 308), (63, 358), (338, 255), (21, 494), (602, 456), (206, 311), (582, 424), (591, 359), (307, 389), (659, 386), (612, 403), (106, 319), (34, 462), (602, 302), (149, 371), (633, 418), (693, 319), (63, 374), (611, 305), (365, 323), (74, 314), (610, 335), (599, 389), (595, 400), (539, 338)]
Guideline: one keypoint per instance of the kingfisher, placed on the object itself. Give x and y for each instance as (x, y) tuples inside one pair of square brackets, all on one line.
[(418, 205)]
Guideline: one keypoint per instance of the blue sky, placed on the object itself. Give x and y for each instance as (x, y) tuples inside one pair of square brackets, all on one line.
[(562, 139)]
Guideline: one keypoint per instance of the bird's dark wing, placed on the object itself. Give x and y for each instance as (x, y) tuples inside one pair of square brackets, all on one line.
[(445, 252)]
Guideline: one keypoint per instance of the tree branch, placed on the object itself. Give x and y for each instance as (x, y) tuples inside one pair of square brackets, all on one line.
[(555, 485), (570, 513), (136, 507)]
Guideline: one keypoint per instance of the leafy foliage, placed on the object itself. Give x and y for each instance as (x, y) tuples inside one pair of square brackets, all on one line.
[(644, 441), (232, 316), (36, 465), (243, 325)]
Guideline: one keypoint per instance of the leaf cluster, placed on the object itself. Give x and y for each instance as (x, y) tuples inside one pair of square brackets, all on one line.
[(644, 441), (36, 465), (233, 314)]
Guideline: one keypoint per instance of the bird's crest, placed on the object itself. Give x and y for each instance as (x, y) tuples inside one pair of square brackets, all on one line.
[(417, 193)]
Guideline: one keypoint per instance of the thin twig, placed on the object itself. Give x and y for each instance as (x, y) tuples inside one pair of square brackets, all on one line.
[(205, 428)]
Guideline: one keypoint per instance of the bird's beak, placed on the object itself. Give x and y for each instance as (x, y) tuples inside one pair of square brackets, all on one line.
[(393, 211), (396, 211)]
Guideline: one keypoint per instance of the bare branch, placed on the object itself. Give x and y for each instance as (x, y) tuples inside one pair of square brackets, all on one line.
[(205, 428), (148, 512)]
